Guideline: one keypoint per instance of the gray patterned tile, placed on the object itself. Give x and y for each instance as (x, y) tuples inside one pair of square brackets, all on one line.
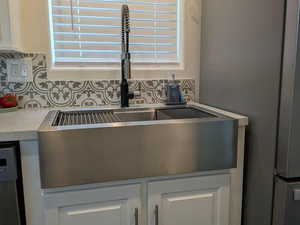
[(3, 71), (42, 93)]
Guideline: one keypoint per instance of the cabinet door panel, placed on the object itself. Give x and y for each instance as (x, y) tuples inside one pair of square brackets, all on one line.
[(102, 206), (189, 201), (94, 214), (10, 25), (193, 208)]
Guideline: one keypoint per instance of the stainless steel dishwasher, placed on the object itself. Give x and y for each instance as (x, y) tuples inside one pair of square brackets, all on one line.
[(12, 210)]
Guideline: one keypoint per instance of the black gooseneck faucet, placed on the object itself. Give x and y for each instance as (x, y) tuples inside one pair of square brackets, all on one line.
[(125, 58)]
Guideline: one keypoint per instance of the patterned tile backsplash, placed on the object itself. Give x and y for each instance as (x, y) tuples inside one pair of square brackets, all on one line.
[(43, 93)]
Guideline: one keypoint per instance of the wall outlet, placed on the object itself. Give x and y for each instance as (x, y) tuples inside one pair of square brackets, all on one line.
[(19, 70)]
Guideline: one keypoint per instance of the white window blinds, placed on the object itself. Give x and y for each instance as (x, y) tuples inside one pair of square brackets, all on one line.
[(88, 31)]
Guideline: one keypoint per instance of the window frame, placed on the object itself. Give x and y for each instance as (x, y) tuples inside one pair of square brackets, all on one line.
[(113, 67)]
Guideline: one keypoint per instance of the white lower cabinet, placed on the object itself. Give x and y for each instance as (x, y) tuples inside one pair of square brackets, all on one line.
[(104, 206), (192, 201), (184, 201)]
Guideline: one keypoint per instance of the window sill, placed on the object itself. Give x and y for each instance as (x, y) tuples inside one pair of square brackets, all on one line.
[(139, 72), (116, 66)]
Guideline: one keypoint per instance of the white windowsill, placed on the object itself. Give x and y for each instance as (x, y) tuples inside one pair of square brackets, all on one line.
[(117, 67), (139, 72)]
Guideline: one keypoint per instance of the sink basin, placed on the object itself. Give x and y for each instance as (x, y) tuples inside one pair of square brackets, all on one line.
[(161, 114), (119, 144), (85, 117), (136, 115), (182, 113)]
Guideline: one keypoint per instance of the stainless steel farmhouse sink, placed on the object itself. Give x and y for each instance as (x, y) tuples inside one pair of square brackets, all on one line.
[(92, 146)]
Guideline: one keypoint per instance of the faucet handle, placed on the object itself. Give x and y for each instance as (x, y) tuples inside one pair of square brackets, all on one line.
[(131, 95)]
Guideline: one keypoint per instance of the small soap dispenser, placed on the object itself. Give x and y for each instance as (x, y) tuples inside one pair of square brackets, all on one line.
[(174, 96)]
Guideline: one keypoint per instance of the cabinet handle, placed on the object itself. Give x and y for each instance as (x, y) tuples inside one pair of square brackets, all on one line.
[(156, 214), (136, 216)]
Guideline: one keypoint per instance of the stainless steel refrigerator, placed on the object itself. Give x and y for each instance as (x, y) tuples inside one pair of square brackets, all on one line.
[(250, 64)]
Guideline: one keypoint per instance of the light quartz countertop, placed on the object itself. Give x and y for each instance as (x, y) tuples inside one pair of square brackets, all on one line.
[(23, 124)]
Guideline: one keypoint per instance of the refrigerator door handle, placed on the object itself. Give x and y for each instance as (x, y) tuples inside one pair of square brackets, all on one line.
[(297, 194)]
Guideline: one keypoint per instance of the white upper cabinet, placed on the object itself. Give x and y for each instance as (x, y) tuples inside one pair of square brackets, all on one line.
[(10, 25), (191, 201)]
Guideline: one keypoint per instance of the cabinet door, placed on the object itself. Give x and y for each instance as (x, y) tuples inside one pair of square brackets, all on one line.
[(105, 206), (10, 28), (191, 201)]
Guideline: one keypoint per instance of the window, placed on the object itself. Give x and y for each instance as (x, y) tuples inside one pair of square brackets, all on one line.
[(87, 32)]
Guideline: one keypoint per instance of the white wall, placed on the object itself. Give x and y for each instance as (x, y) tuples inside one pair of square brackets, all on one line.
[(36, 40)]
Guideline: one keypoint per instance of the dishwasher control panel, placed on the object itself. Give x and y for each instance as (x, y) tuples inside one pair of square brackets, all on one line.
[(8, 164)]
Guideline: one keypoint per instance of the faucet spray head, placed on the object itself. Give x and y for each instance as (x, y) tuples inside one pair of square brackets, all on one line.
[(125, 19), (125, 42)]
